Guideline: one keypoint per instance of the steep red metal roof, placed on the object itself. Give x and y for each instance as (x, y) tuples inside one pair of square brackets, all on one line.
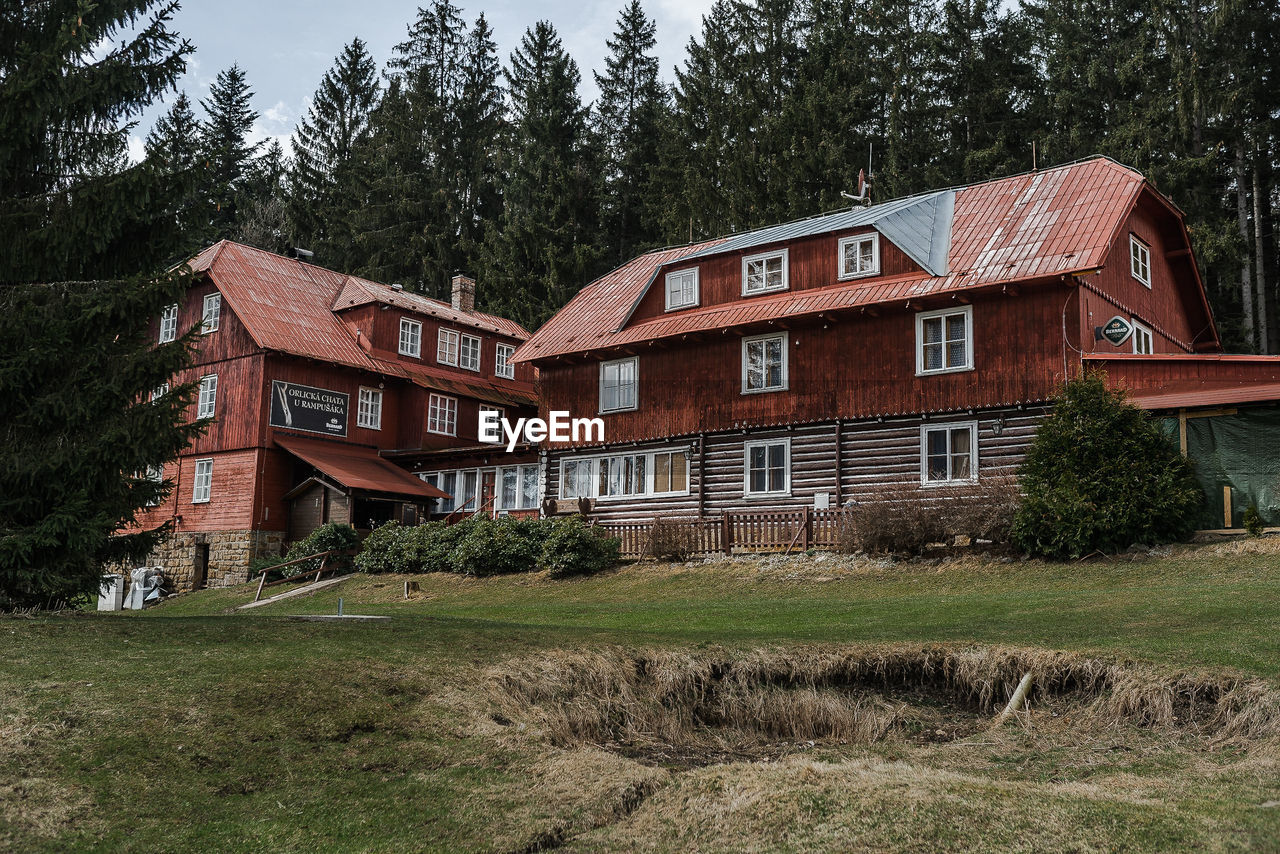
[(358, 467), (1026, 227), (508, 391), (356, 292), (291, 306)]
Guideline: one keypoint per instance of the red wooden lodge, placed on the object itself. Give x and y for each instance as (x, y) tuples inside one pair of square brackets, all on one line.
[(332, 398), (910, 344)]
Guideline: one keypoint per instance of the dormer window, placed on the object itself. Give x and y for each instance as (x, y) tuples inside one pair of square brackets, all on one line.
[(410, 338), (764, 272), (1140, 260), (212, 314), (859, 256), (682, 289)]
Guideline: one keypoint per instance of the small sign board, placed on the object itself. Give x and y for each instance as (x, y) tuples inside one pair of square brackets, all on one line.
[(314, 410), (1117, 330)]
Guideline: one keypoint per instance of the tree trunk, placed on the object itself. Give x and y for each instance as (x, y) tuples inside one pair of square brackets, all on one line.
[(1260, 255), (1246, 267)]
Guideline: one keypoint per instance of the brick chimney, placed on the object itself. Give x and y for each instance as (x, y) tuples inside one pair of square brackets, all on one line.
[(464, 293)]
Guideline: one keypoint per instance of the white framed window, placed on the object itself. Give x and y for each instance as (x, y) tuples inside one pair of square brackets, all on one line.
[(447, 347), (949, 453), (767, 467), (518, 488), (618, 381), (576, 477), (202, 486), (1140, 260), (410, 338), (764, 363), (670, 472), (212, 314), (623, 476), (1143, 341), (469, 353), (859, 256), (764, 272), (682, 289), (369, 411), (445, 481), (502, 366), (159, 392), (442, 415), (169, 324), (207, 403), (944, 341)]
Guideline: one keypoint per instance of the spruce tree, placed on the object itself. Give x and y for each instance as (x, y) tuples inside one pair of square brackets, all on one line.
[(82, 279), (322, 189), (263, 211), (229, 119), (409, 228), (545, 248), (629, 116), (173, 146), (481, 122)]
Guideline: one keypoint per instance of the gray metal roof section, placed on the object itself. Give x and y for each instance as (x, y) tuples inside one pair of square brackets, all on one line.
[(918, 225)]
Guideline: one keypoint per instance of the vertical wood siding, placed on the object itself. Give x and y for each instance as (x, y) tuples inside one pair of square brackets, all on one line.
[(811, 263), (858, 367)]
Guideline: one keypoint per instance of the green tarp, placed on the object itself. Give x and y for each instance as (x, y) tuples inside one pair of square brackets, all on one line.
[(1241, 451)]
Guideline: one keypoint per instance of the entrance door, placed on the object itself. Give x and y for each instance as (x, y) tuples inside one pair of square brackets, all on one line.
[(488, 480), (201, 573)]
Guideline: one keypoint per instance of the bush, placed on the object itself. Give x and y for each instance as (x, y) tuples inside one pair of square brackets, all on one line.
[(498, 547), (382, 551), (898, 519), (671, 539), (331, 536), (1100, 477), (572, 547), (1252, 521)]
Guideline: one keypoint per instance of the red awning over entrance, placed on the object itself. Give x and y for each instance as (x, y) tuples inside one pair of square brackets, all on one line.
[(359, 468)]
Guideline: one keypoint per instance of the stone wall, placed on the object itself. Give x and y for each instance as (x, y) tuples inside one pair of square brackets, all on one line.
[(230, 554)]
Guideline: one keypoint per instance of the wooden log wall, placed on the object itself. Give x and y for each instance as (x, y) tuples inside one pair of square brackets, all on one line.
[(875, 456)]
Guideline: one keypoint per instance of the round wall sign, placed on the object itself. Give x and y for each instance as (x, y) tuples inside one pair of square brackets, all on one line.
[(1117, 330)]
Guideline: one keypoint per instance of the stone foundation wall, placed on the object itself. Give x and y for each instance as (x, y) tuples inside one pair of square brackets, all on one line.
[(230, 554)]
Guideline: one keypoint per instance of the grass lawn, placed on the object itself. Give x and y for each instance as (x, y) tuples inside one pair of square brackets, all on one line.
[(187, 727)]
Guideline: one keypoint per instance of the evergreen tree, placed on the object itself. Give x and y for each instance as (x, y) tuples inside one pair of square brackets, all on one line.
[(173, 146), (230, 118), (1100, 477), (481, 123), (263, 217), (410, 228), (545, 247), (322, 189), (629, 117), (81, 282)]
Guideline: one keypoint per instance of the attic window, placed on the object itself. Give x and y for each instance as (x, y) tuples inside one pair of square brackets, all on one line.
[(1140, 260), (410, 338), (764, 272), (212, 313), (859, 256), (682, 289)]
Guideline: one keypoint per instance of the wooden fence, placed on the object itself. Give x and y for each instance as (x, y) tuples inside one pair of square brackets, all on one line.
[(739, 531)]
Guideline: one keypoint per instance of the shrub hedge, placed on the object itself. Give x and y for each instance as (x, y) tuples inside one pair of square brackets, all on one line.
[(483, 547)]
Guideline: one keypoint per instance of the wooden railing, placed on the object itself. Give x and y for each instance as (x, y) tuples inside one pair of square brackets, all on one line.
[(302, 576), (740, 531)]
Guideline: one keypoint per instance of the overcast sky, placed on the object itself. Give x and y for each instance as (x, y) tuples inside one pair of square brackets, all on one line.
[(285, 46)]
